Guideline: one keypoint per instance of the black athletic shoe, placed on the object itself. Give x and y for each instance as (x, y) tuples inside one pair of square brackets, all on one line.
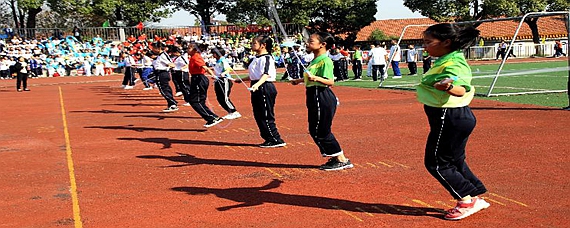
[(213, 122), (268, 144), (333, 164), (567, 108)]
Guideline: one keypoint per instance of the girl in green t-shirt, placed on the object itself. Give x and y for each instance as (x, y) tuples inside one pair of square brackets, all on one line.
[(446, 92), (321, 101)]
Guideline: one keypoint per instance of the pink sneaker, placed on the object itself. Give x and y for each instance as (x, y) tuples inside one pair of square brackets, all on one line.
[(462, 210)]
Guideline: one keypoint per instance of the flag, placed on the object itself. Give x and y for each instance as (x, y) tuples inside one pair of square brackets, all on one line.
[(140, 26), (105, 24)]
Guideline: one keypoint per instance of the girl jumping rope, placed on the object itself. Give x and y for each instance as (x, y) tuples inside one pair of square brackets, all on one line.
[(446, 91), (262, 74), (322, 102)]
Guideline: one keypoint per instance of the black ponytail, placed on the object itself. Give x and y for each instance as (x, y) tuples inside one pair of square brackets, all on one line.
[(268, 41), (461, 37), (325, 37)]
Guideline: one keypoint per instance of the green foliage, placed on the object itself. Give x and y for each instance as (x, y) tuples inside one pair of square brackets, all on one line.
[(202, 9), (379, 35), (87, 13), (338, 17)]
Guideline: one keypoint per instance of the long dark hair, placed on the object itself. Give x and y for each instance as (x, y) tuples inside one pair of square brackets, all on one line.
[(461, 37)]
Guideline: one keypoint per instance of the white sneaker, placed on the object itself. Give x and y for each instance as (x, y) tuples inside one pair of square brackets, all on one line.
[(172, 108), (462, 210), (147, 88), (186, 104), (233, 115), (178, 94), (129, 87), (397, 77)]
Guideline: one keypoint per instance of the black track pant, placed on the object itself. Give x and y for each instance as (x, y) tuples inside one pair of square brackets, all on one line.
[(198, 94), (321, 107), (445, 150), (223, 88), (357, 68), (183, 82), (21, 80), (163, 82), (263, 103), (377, 69), (413, 67), (178, 81), (129, 78)]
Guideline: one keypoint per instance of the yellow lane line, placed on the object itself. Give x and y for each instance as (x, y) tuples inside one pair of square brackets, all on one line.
[(386, 164), (74, 198), (405, 166), (273, 172), (494, 201), (380, 210), (365, 212), (370, 164), (505, 198), (426, 205), (348, 213)]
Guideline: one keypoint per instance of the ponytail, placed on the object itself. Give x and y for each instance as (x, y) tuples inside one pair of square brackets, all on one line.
[(268, 41), (461, 37)]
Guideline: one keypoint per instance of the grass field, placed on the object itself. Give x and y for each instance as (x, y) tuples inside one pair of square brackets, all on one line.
[(517, 77)]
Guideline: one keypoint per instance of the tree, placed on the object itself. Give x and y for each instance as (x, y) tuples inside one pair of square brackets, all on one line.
[(24, 12), (469, 10), (87, 13), (379, 35), (338, 17), (202, 9), (344, 17)]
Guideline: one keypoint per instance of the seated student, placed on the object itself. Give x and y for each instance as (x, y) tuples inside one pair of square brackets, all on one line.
[(4, 68)]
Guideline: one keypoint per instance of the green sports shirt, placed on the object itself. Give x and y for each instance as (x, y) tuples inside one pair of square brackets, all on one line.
[(321, 66), (452, 65), (357, 55)]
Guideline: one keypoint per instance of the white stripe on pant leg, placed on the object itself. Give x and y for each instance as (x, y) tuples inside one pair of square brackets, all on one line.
[(266, 115), (160, 90), (226, 96), (435, 153)]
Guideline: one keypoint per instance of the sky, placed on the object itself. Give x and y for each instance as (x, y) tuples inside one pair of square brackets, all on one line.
[(387, 9)]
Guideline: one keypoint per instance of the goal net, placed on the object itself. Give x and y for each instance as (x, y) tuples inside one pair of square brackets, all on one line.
[(524, 67)]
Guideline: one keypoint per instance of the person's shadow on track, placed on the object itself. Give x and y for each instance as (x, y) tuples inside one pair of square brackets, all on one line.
[(189, 160), (143, 129), (255, 196), (167, 143)]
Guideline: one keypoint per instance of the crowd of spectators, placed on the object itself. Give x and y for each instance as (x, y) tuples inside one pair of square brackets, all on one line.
[(73, 55)]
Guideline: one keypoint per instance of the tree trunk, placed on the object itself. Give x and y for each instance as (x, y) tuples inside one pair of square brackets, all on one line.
[(205, 15), (14, 13), (533, 25), (21, 18), (31, 21)]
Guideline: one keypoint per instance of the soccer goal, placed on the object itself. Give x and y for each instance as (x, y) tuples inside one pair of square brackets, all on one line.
[(523, 68)]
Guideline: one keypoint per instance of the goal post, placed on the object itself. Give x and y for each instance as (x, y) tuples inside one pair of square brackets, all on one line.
[(488, 82)]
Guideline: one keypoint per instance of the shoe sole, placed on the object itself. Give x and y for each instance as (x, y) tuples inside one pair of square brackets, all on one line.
[(340, 168), (170, 110), (484, 206), (274, 146)]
